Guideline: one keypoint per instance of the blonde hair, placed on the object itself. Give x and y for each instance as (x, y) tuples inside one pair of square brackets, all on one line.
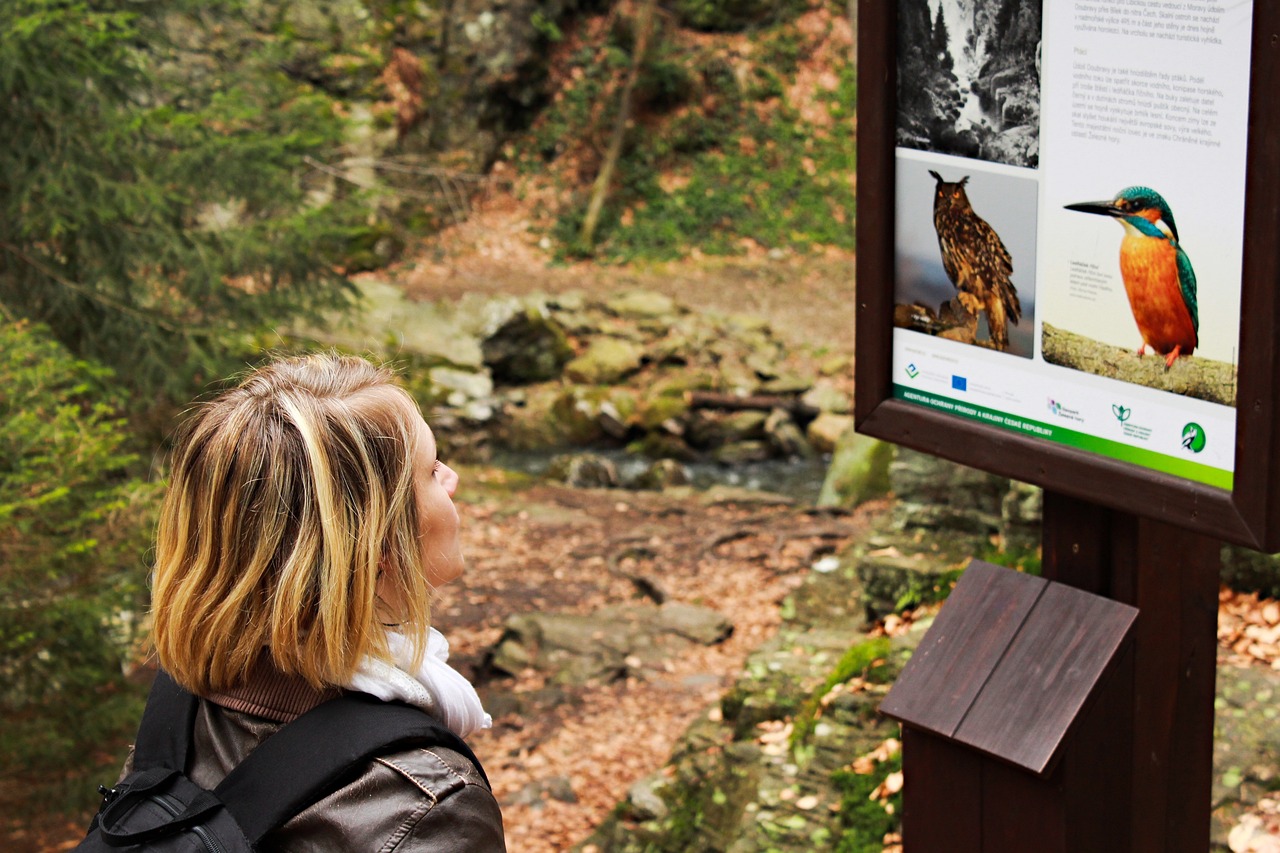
[(290, 494)]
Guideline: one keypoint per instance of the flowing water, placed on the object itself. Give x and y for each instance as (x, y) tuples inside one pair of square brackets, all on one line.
[(800, 479)]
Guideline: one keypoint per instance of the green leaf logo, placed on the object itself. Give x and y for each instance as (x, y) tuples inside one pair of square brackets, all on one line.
[(1122, 414), (1193, 437)]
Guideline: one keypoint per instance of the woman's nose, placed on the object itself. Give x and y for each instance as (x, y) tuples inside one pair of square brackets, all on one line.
[(448, 479)]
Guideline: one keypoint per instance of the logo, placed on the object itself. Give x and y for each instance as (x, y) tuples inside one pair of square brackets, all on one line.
[(1122, 414), (1057, 409), (959, 383), (912, 371), (1193, 437)]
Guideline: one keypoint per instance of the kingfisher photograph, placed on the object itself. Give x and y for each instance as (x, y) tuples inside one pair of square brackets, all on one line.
[(966, 255), (969, 79), (1135, 295)]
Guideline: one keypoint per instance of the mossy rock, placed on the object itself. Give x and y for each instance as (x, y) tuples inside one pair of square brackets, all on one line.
[(661, 445), (893, 582), (826, 430), (743, 426), (584, 471), (662, 474), (933, 492), (530, 346), (642, 305), (606, 361), (660, 410), (859, 471), (576, 414), (826, 397), (528, 422), (786, 438), (681, 382), (743, 452)]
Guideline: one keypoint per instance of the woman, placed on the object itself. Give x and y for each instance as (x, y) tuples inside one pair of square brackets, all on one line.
[(307, 522)]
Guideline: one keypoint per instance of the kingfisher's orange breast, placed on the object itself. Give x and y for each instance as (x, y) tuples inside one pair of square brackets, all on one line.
[(1149, 268)]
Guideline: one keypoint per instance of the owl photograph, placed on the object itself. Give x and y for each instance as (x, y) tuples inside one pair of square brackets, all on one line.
[(966, 256)]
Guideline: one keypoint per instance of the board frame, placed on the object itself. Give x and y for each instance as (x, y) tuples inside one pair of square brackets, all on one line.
[(1248, 514)]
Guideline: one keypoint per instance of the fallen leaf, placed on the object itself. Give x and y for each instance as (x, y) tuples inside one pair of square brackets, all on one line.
[(891, 785), (1271, 612)]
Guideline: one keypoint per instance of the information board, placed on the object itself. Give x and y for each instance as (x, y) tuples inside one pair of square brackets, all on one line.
[(1070, 209), (1083, 160)]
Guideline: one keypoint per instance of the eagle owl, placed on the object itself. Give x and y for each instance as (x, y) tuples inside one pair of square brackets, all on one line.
[(976, 261)]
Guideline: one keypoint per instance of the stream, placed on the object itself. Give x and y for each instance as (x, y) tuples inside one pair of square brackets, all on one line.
[(800, 479)]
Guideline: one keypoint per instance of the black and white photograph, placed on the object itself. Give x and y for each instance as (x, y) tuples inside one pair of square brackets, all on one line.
[(969, 79)]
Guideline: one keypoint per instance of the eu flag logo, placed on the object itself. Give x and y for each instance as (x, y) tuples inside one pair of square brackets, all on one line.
[(960, 383)]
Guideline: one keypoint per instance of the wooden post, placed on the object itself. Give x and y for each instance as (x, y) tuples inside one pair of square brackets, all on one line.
[(1171, 576)]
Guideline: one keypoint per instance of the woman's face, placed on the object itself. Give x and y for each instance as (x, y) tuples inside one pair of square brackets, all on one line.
[(435, 484)]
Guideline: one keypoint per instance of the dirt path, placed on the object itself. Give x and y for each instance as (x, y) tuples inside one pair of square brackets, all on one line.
[(561, 757)]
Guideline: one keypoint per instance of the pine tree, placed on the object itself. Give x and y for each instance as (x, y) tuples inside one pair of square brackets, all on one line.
[(941, 41), (153, 203), (74, 526)]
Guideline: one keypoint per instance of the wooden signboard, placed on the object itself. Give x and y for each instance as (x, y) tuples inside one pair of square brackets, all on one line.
[(1111, 116), (1046, 189)]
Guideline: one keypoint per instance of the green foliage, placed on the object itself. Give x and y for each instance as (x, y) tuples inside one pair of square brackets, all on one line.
[(739, 161), (546, 26), (1246, 570), (735, 15), (864, 821), (73, 532), (1022, 558), (925, 589), (157, 200), (869, 659)]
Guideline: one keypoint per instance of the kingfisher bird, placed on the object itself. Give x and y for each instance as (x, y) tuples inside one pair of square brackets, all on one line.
[(976, 261), (1157, 274)]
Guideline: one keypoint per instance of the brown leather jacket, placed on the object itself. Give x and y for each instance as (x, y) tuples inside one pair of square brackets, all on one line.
[(414, 801)]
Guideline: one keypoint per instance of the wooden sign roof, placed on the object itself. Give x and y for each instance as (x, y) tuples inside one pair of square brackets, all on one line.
[(1009, 664)]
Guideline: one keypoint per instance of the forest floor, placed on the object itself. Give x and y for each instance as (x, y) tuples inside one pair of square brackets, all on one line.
[(561, 757)]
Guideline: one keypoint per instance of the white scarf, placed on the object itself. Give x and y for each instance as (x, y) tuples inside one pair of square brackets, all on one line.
[(436, 687)]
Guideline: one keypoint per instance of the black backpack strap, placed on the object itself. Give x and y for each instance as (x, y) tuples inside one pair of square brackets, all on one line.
[(320, 751), (164, 736)]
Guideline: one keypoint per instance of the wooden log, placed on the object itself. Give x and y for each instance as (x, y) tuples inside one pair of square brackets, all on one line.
[(754, 402)]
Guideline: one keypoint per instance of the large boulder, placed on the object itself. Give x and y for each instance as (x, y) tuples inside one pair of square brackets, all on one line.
[(529, 346), (605, 645)]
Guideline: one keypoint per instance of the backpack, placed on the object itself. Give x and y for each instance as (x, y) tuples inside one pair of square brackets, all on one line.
[(157, 808)]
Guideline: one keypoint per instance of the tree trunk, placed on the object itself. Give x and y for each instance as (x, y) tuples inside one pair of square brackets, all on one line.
[(600, 190)]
